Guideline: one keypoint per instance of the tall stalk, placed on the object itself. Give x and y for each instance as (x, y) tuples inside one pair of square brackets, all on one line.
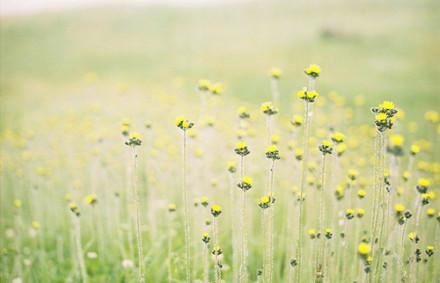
[(138, 219), (218, 274), (302, 183), (79, 251), (271, 223), (319, 264), (186, 213)]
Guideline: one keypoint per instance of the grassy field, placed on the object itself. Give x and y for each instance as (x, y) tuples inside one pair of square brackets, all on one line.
[(68, 79)]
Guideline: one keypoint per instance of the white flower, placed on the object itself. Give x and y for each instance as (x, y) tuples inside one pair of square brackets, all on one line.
[(92, 255), (126, 263), (17, 280)]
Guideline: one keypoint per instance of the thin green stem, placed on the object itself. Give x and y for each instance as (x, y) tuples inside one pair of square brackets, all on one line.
[(186, 214), (138, 220)]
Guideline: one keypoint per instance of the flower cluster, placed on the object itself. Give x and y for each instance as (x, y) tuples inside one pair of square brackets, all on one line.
[(307, 95), (206, 238), (429, 250), (183, 123), (134, 139), (313, 71), (243, 113), (241, 149), (349, 213), (268, 108), (74, 208), (326, 147), (328, 233), (216, 210), (245, 184), (423, 185), (272, 152), (413, 237), (217, 251), (266, 201), (384, 118)]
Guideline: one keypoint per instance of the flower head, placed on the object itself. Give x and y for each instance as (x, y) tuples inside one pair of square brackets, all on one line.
[(298, 152), (312, 233), (272, 152), (217, 251), (232, 166), (326, 147), (307, 95), (183, 123), (297, 120), (338, 137), (415, 149), (399, 208), (429, 250), (35, 225), (340, 149), (204, 85), (205, 237), (266, 201), (352, 174), (275, 73), (364, 249), (328, 233), (422, 185), (432, 116), (430, 212), (384, 118), (243, 113), (134, 139), (349, 213), (246, 183), (172, 207), (204, 201), (413, 237), (275, 139), (313, 71), (216, 210), (91, 199), (74, 208), (268, 108), (216, 89), (241, 148), (339, 192)]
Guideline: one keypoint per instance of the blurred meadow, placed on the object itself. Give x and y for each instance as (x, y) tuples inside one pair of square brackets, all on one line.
[(75, 83)]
